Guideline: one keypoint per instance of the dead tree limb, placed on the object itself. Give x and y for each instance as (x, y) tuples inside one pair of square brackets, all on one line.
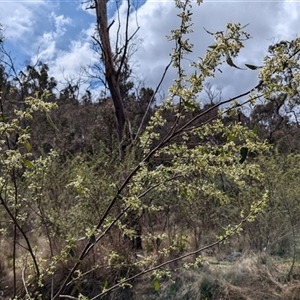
[(111, 75)]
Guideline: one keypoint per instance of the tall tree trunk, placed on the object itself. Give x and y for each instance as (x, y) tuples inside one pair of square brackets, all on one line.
[(110, 72)]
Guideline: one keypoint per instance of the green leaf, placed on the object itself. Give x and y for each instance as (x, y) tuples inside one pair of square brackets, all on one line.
[(245, 26), (211, 33), (252, 67), (93, 239), (79, 190), (71, 252), (230, 137), (231, 63), (189, 105), (156, 284), (118, 196), (28, 163), (50, 121), (222, 152), (27, 146), (3, 119), (255, 129), (183, 192), (105, 285), (243, 152)]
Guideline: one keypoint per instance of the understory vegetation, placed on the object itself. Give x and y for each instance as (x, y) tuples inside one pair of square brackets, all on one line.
[(130, 196)]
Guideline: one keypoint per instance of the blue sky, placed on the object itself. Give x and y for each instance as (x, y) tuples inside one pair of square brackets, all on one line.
[(59, 34)]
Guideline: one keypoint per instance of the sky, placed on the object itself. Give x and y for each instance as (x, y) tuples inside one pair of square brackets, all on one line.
[(59, 33)]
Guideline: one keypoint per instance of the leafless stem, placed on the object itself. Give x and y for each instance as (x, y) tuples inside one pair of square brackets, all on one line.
[(24, 284), (152, 98)]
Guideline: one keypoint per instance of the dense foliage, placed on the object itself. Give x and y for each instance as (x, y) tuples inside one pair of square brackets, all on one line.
[(77, 219)]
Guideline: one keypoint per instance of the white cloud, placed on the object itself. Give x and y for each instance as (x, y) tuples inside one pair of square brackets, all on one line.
[(60, 23), (68, 64), (20, 17), (268, 20), (288, 26), (18, 23), (46, 44)]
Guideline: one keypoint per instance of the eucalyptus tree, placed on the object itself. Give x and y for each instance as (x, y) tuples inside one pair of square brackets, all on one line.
[(114, 59)]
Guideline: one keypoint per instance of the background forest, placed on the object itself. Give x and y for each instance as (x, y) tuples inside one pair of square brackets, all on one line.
[(132, 195)]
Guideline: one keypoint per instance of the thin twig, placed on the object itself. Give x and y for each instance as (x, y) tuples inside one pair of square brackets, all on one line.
[(24, 284), (152, 98)]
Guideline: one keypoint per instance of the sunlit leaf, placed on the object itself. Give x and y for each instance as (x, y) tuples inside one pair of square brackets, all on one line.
[(79, 190), (28, 163), (230, 137), (189, 105), (50, 121), (27, 146), (156, 284), (222, 152)]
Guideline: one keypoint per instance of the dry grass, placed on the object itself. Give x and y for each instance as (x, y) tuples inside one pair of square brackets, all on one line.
[(95, 266), (251, 277)]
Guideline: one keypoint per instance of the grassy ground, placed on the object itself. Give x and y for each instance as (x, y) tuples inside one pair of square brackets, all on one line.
[(251, 277)]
